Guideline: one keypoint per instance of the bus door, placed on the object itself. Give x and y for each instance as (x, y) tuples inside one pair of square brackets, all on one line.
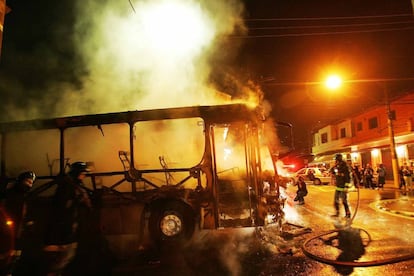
[(234, 189)]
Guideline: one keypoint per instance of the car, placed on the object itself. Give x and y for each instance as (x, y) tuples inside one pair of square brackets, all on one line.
[(316, 176)]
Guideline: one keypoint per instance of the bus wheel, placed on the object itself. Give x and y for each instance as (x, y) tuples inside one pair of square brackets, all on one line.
[(171, 222)]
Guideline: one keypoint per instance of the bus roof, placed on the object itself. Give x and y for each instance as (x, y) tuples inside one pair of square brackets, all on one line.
[(214, 113)]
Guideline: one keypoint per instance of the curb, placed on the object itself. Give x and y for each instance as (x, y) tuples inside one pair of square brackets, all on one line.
[(393, 211)]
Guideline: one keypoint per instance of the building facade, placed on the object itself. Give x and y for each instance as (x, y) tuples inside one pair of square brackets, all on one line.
[(366, 138)]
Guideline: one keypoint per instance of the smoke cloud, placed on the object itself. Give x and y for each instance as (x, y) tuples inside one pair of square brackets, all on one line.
[(143, 55)]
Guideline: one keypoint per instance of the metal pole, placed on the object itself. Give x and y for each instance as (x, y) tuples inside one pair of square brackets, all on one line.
[(3, 9), (394, 158)]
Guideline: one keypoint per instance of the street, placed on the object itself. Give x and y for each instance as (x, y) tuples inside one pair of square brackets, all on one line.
[(384, 233), (379, 241)]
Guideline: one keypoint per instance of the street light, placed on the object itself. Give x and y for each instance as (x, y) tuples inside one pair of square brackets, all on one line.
[(334, 82)]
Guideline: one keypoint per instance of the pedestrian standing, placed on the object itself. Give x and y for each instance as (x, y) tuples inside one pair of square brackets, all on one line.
[(356, 174), (342, 176), (311, 175), (15, 206), (407, 174), (62, 234), (381, 176), (402, 181), (369, 175)]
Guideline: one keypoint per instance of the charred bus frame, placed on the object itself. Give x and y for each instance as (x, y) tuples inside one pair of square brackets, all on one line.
[(167, 211)]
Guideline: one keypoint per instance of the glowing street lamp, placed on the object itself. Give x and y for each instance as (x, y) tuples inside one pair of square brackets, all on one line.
[(333, 82)]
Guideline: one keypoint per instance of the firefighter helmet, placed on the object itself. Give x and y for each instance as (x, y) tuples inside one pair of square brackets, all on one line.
[(26, 175), (78, 168)]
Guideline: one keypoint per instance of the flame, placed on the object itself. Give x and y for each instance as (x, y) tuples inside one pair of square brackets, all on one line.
[(227, 153), (225, 132), (289, 209), (281, 169)]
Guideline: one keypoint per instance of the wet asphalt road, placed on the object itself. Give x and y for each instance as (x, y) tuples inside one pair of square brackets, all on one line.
[(376, 236), (378, 242)]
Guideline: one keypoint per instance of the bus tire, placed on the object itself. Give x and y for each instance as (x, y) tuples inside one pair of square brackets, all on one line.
[(171, 222)]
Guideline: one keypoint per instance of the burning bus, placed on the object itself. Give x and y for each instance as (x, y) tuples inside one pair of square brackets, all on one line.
[(157, 175)]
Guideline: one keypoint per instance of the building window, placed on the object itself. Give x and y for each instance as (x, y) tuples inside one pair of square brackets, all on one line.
[(343, 133), (410, 150), (359, 126), (324, 138), (372, 123)]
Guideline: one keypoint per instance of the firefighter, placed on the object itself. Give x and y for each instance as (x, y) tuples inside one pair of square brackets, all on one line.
[(62, 234), (15, 207), (342, 176)]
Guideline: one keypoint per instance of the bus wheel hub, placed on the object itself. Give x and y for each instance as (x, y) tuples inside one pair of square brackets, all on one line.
[(171, 225)]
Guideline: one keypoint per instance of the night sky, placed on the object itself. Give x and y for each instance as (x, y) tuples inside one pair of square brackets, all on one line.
[(362, 43), (283, 43)]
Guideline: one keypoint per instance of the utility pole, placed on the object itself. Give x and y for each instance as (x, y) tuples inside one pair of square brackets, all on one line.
[(2, 14), (394, 157), (4, 9)]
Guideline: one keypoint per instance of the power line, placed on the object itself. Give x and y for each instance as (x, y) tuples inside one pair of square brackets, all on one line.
[(329, 18), (330, 25), (372, 80), (302, 29), (325, 33)]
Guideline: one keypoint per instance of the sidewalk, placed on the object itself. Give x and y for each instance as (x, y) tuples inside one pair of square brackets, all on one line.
[(396, 201)]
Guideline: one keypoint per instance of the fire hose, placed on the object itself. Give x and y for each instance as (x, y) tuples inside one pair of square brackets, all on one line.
[(392, 260)]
